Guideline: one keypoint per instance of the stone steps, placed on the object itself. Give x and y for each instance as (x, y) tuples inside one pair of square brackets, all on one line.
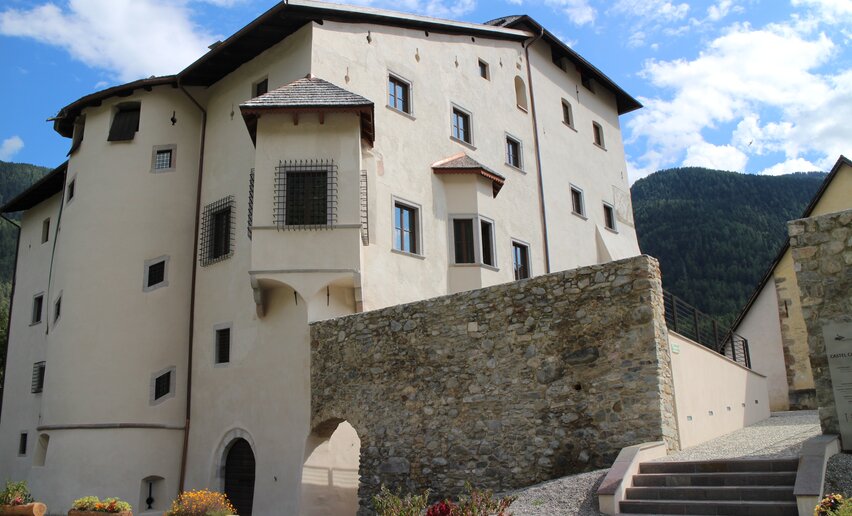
[(737, 487)]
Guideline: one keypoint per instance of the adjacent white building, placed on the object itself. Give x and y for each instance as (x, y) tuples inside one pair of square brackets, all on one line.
[(322, 161)]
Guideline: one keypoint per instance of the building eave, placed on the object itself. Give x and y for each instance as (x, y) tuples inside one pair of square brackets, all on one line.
[(40, 191)]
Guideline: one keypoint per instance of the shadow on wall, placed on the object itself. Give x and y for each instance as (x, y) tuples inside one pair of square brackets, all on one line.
[(330, 471)]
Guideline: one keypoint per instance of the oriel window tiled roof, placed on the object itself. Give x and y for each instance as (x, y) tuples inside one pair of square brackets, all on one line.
[(463, 164), (306, 93)]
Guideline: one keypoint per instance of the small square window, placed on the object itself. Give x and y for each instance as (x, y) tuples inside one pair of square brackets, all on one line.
[(38, 377), (484, 72), (57, 308), (45, 230), (463, 241), (461, 126), (399, 94), (513, 152), (38, 305), (609, 216), (521, 260), (71, 187), (260, 87), (155, 273), (599, 135), (577, 204), (162, 385), (567, 113), (22, 444), (405, 228), (163, 159), (223, 345), (487, 237), (125, 122)]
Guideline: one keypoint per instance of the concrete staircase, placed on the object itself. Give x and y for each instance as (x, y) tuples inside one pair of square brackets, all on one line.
[(751, 487)]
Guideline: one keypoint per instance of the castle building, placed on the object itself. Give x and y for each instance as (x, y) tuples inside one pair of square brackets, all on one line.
[(322, 161)]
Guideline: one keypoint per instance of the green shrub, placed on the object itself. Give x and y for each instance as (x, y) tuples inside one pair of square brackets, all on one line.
[(16, 493), (388, 503), (93, 503)]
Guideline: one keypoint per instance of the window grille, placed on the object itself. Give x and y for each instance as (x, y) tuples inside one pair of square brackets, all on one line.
[(162, 385), (38, 377), (223, 346), (365, 207), (156, 273), (305, 194), (217, 231), (163, 159), (250, 203)]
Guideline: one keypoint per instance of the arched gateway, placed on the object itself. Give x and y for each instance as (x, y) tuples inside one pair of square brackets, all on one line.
[(239, 476)]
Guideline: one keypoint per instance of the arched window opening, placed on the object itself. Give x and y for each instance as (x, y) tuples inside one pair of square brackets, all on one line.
[(152, 494), (330, 472), (521, 93), (41, 450)]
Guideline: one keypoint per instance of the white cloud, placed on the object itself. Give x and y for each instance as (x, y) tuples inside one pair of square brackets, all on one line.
[(721, 9), (829, 11), (129, 38), (769, 83), (10, 147), (437, 8), (790, 166), (656, 10), (579, 12)]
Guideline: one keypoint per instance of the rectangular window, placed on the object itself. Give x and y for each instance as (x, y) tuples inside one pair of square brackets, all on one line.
[(22, 444), (609, 216), (38, 305), (38, 377), (399, 94), (521, 260), (461, 126), (71, 186), (223, 346), (217, 231), (57, 308), (599, 135), (155, 273), (463, 241), (587, 83), (162, 385), (305, 194), (577, 204), (163, 159), (567, 113), (405, 228), (260, 88), (125, 122), (487, 236), (513, 152), (483, 70), (45, 230), (79, 130)]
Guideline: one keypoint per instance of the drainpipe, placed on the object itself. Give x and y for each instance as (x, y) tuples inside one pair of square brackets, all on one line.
[(9, 320), (192, 288), (538, 153)]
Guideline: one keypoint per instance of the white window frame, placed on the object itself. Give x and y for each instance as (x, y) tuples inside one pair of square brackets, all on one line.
[(476, 219), (158, 148), (598, 128), (515, 241), (148, 263), (418, 223), (33, 322), (520, 166), (453, 108), (570, 121), (582, 212), (153, 384), (410, 99)]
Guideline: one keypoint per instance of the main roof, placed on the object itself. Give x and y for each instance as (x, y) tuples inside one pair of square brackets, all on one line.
[(286, 17), (841, 161), (46, 187)]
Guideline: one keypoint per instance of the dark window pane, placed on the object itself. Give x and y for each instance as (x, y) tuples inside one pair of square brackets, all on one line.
[(609, 216), (463, 236), (221, 233), (261, 87), (162, 385), (71, 187), (577, 201), (520, 258), (307, 198), (513, 153), (57, 309), (398, 92), (22, 444), (461, 126), (38, 302), (405, 228), (156, 273), (566, 114), (487, 243), (483, 69), (125, 123), (38, 377), (223, 346)]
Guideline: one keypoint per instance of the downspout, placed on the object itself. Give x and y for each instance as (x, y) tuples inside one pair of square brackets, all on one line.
[(185, 449), (9, 320), (538, 154)]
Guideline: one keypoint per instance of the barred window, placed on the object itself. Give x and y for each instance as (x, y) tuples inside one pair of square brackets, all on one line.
[(163, 159), (38, 377), (217, 231), (223, 345), (305, 194), (162, 385)]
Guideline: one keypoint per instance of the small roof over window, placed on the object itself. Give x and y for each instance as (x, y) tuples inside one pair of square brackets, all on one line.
[(309, 95), (461, 163)]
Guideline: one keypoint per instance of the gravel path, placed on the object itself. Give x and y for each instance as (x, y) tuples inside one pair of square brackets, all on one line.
[(781, 435)]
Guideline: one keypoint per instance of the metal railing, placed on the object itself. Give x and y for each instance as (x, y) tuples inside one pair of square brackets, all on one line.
[(686, 320)]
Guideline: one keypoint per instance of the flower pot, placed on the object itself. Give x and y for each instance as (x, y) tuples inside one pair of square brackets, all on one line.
[(30, 509), (74, 512)]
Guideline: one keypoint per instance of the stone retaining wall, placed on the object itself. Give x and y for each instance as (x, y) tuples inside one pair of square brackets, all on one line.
[(503, 387), (822, 252)]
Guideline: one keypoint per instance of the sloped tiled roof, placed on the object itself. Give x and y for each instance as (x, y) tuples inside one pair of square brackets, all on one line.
[(463, 164), (310, 92), (43, 189)]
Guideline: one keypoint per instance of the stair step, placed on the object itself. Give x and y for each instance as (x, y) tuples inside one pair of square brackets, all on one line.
[(707, 493), (719, 466), (737, 508), (774, 478)]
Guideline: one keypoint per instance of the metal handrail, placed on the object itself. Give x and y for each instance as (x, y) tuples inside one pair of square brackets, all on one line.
[(686, 320)]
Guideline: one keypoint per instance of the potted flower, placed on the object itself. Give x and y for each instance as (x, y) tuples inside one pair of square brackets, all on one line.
[(92, 506), (17, 500), (201, 503)]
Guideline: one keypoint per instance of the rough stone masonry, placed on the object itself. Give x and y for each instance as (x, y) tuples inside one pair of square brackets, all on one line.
[(501, 387)]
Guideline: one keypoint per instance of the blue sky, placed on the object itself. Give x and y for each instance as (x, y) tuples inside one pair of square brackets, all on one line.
[(756, 86)]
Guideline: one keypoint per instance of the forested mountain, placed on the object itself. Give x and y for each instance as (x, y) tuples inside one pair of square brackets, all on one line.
[(715, 233)]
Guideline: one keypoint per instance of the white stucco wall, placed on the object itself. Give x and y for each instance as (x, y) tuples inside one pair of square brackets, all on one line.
[(760, 326), (713, 395)]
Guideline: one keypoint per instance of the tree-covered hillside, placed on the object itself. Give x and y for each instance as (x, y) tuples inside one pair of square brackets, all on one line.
[(715, 233)]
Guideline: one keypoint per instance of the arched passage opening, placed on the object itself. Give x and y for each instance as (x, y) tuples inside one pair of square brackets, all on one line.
[(330, 471), (239, 476)]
